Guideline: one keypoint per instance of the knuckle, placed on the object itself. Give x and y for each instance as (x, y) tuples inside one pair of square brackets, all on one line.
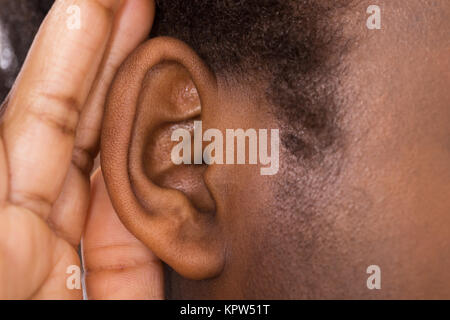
[(82, 160), (34, 202), (57, 111), (120, 267), (107, 6)]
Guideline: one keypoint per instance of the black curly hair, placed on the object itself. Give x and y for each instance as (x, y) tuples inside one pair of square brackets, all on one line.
[(290, 44)]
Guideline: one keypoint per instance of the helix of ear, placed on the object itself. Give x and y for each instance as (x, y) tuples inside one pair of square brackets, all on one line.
[(140, 101)]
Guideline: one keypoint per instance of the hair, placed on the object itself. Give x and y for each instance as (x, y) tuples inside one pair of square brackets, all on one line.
[(19, 22), (290, 44)]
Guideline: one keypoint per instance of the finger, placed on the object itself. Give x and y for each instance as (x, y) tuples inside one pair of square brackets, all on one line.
[(3, 174), (45, 104), (116, 264), (131, 26)]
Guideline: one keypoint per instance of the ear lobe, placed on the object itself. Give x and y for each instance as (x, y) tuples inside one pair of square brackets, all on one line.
[(161, 86)]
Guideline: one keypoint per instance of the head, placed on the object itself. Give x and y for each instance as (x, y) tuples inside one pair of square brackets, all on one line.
[(364, 156)]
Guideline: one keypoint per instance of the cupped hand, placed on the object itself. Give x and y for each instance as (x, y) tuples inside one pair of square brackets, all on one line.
[(49, 136)]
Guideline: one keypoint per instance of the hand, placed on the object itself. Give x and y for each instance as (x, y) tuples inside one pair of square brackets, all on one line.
[(49, 136)]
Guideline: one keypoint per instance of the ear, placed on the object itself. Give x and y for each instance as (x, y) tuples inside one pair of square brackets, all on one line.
[(162, 86)]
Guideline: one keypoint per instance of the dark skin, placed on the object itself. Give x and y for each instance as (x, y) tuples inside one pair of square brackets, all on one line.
[(53, 123), (381, 198)]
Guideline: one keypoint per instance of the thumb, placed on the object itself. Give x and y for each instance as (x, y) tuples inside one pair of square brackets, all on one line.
[(116, 264)]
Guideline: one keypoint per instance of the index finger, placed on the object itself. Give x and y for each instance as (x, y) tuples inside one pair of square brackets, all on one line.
[(44, 107)]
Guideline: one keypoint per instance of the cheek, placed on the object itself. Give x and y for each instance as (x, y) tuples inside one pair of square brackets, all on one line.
[(244, 200), (398, 159)]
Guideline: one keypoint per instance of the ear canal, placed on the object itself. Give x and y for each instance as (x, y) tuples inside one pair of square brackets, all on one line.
[(162, 85)]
